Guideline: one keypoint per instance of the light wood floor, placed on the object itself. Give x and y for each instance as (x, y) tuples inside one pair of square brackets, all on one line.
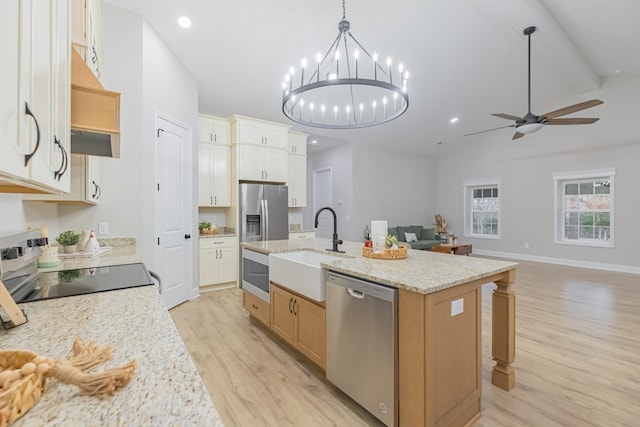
[(577, 358)]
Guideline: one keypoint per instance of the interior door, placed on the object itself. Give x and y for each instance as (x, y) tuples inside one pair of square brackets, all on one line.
[(173, 204), (322, 179)]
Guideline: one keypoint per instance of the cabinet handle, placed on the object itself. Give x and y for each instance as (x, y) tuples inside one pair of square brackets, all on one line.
[(95, 193), (220, 253), (99, 191), (295, 301), (187, 236), (211, 200), (66, 162), (266, 175), (290, 302), (28, 112), (211, 137), (215, 200), (216, 254), (56, 141), (215, 138), (255, 307)]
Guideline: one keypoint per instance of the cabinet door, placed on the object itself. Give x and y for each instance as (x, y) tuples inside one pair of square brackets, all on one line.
[(282, 313), (208, 266), (221, 175), (221, 131), (297, 181), (297, 143), (276, 165), (94, 173), (276, 136), (11, 110), (249, 132), (310, 331), (205, 129), (205, 172), (228, 264), (250, 159)]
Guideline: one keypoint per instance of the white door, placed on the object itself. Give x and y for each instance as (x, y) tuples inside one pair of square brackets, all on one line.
[(173, 204), (322, 198)]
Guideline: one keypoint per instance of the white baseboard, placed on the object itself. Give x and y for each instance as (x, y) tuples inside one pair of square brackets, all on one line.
[(561, 261)]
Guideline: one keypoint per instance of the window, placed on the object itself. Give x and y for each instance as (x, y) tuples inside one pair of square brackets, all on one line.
[(584, 208), (482, 209)]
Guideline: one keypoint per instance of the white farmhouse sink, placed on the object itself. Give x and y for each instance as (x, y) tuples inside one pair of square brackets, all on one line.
[(300, 271)]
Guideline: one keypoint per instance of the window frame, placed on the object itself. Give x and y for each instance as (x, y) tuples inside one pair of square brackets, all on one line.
[(559, 180), (468, 187)]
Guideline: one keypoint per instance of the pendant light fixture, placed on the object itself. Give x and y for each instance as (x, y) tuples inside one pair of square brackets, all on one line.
[(346, 88)]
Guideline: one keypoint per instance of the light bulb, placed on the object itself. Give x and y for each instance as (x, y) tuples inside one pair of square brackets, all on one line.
[(384, 100), (322, 108), (292, 71), (335, 109), (303, 63), (332, 76), (374, 103), (301, 102), (401, 67), (311, 106), (348, 108), (293, 98), (356, 54), (395, 95), (375, 57), (406, 75), (361, 107), (337, 54), (184, 22), (287, 78), (284, 85), (388, 61), (319, 57)]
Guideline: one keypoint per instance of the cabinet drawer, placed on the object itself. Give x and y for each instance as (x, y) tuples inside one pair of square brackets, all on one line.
[(217, 242), (256, 307)]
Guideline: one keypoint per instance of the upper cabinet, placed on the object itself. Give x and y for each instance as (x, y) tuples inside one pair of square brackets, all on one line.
[(214, 160), (214, 130), (35, 86), (260, 149), (85, 183), (297, 170), (86, 32)]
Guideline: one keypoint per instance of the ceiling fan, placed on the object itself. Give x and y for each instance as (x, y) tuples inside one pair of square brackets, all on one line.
[(531, 123)]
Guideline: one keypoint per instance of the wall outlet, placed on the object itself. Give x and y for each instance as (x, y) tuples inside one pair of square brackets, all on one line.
[(526, 245), (103, 228)]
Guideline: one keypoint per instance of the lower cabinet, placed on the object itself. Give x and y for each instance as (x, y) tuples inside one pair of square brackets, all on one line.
[(300, 322), (218, 261), (256, 307)]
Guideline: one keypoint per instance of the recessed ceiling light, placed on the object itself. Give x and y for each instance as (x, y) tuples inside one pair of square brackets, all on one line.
[(314, 141), (453, 120), (184, 22), (618, 71)]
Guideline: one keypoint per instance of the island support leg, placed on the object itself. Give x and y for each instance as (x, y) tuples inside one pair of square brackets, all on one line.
[(504, 332)]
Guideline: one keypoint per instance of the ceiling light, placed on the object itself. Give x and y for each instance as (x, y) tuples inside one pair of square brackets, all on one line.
[(453, 120), (346, 75), (314, 141), (529, 128), (184, 22)]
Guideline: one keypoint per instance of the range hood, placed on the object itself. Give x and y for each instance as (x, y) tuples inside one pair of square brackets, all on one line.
[(95, 113)]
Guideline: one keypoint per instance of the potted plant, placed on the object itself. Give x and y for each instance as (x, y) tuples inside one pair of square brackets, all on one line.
[(391, 241), (68, 240), (204, 226)]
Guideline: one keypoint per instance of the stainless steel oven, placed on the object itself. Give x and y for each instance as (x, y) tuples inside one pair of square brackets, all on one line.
[(255, 274)]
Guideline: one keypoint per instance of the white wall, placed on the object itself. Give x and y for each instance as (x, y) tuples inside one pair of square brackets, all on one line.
[(375, 183), (12, 217), (526, 167)]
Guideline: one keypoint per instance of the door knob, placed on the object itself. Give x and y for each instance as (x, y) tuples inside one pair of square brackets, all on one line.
[(187, 236)]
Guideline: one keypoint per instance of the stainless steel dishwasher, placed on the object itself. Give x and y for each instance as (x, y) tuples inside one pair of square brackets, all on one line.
[(362, 343)]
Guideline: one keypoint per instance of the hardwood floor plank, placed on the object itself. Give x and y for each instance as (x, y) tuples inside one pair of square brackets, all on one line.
[(577, 358)]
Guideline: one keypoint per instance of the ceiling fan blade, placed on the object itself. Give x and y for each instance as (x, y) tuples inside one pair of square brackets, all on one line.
[(572, 108), (572, 121), (517, 135), (488, 130), (507, 116)]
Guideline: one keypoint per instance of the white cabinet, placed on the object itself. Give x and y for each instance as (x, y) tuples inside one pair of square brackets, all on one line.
[(297, 173), (214, 130), (86, 32), (35, 87), (214, 175), (255, 163), (260, 149), (218, 260), (297, 181), (298, 143), (302, 235), (259, 132), (214, 160), (85, 183)]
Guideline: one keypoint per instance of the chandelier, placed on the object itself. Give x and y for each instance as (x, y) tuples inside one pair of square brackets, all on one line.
[(346, 88)]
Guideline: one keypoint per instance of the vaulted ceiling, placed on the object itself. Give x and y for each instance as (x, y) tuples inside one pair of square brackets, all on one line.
[(467, 58)]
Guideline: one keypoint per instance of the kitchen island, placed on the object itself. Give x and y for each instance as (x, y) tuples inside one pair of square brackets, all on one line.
[(439, 351), (166, 388)]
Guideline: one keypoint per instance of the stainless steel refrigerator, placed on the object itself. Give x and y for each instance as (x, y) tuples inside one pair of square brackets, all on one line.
[(264, 212)]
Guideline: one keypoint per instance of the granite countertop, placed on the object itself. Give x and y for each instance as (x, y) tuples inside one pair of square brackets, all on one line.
[(166, 388), (222, 232), (118, 255), (422, 271)]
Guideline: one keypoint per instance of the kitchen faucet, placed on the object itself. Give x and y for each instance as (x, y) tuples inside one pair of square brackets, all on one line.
[(336, 241)]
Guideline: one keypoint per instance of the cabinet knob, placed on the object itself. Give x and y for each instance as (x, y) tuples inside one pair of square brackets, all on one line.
[(255, 307)]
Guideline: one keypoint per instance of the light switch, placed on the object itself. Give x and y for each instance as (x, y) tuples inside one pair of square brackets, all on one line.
[(457, 307), (103, 228)]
